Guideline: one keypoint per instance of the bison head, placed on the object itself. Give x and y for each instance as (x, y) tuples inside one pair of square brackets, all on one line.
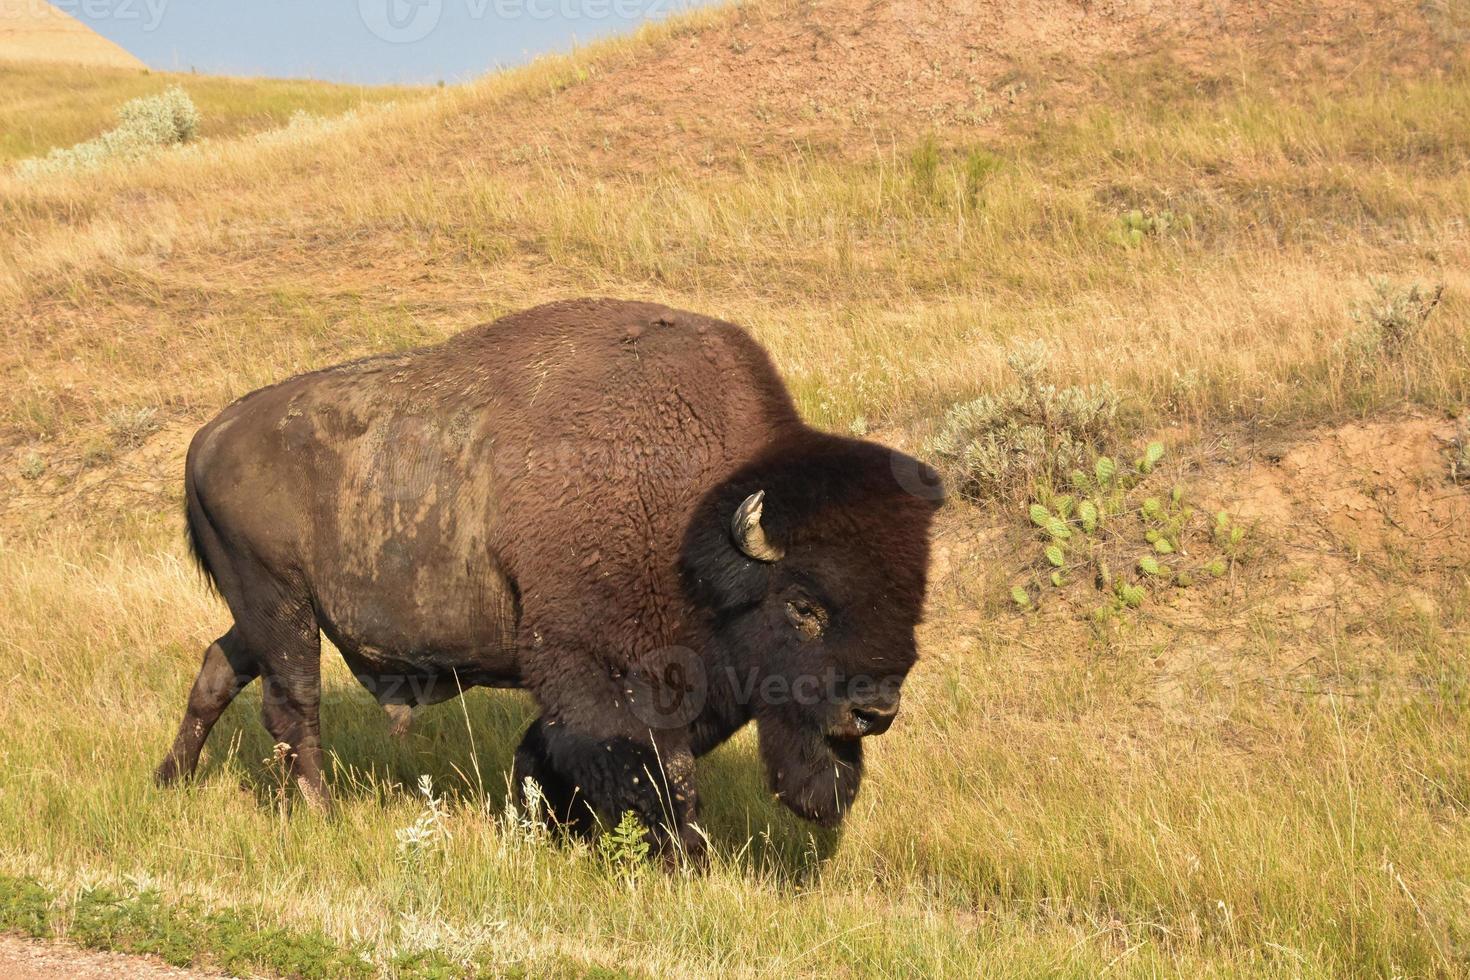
[(811, 565)]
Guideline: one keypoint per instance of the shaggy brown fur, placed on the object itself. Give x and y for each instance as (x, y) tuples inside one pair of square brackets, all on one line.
[(546, 502)]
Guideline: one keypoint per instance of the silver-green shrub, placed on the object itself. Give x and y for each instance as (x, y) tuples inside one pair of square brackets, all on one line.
[(169, 117), (143, 125), (1392, 320), (1000, 445)]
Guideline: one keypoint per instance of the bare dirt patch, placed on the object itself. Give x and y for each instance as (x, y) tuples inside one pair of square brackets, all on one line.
[(108, 480), (1383, 487), (1356, 536), (1356, 531), (1355, 511), (845, 75), (31, 959)]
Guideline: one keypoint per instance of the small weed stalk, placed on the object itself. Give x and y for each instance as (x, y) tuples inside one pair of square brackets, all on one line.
[(924, 170), (1459, 451), (278, 771), (423, 846), (428, 836), (526, 823), (624, 848)]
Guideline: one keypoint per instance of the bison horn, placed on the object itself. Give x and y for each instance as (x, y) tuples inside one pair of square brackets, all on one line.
[(746, 529)]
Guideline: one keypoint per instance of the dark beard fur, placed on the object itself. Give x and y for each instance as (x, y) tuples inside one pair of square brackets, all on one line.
[(815, 776)]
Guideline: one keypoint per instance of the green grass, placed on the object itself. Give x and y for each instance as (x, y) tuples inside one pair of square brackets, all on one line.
[(47, 106), (1020, 820), (136, 920)]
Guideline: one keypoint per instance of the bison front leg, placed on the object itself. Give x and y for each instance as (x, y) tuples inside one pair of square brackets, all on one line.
[(558, 799), (678, 760), (590, 780)]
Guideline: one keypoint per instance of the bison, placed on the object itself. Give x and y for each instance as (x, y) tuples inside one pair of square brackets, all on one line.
[(612, 505)]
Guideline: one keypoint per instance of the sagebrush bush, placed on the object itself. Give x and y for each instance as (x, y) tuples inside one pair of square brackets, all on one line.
[(143, 125), (131, 427), (169, 117), (1392, 320), (1459, 451), (1000, 445)]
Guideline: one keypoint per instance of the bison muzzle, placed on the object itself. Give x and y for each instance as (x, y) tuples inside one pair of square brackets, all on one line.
[(612, 505)]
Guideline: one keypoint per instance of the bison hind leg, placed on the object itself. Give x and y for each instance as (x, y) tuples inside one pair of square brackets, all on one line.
[(228, 667), (290, 707)]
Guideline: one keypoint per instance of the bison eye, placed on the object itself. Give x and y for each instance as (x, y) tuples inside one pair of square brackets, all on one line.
[(809, 618)]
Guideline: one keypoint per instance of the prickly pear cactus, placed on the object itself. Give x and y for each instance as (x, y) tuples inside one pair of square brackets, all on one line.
[(1103, 520)]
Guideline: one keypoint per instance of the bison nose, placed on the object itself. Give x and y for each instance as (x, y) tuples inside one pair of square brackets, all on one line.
[(873, 719)]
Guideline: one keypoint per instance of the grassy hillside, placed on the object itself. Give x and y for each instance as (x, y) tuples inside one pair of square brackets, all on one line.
[(49, 105), (1211, 216)]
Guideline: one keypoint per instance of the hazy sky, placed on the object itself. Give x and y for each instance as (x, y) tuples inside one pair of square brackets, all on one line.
[(358, 40)]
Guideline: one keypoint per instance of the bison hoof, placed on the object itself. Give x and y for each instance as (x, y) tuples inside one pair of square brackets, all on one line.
[(688, 852), (167, 773)]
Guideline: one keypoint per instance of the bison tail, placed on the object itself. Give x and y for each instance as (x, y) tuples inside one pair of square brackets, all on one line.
[(197, 528), (191, 535)]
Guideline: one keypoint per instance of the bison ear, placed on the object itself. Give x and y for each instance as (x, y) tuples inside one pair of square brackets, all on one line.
[(746, 530)]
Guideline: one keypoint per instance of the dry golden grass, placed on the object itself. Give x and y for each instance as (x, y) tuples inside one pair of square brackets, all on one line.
[(884, 295), (1270, 779)]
